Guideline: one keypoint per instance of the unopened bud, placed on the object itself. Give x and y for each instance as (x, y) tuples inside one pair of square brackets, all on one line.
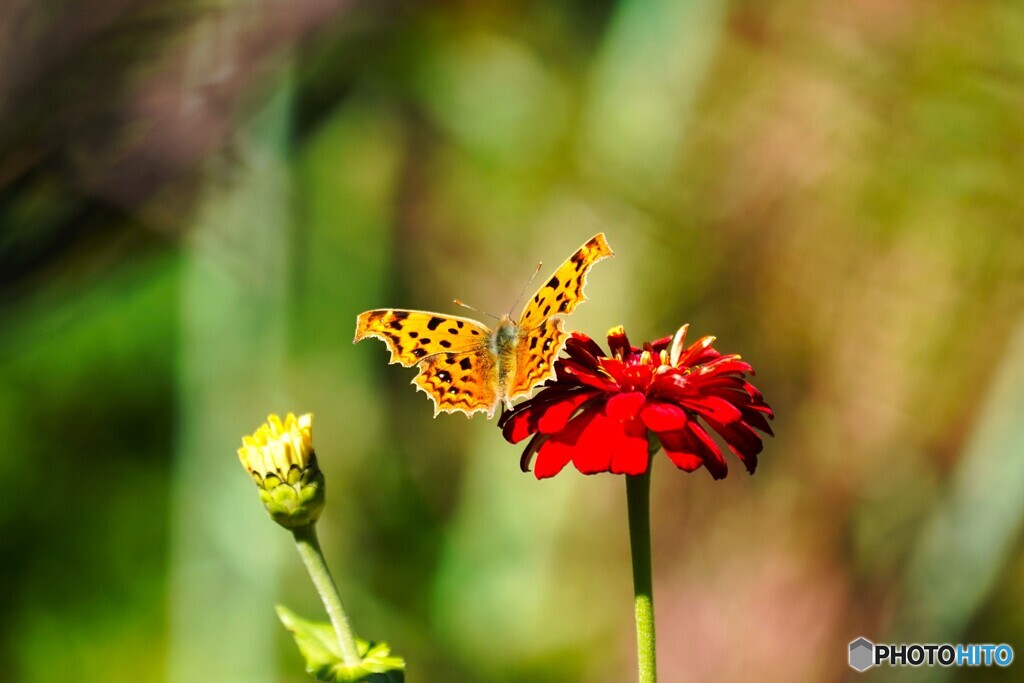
[(280, 457)]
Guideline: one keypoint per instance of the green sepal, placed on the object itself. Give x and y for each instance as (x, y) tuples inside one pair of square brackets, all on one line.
[(294, 505), (318, 645)]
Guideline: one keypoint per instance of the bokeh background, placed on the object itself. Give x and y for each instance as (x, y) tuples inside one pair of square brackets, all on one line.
[(197, 198)]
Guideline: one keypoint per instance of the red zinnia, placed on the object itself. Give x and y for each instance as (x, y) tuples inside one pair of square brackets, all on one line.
[(600, 410)]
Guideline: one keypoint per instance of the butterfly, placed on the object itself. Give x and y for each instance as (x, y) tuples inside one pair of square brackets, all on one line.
[(466, 367)]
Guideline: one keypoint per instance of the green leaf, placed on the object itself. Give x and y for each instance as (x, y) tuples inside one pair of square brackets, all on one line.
[(318, 645)]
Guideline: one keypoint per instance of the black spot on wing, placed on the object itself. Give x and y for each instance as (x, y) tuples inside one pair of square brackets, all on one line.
[(466, 364), (445, 343), (419, 353), (414, 334), (434, 322), (553, 282)]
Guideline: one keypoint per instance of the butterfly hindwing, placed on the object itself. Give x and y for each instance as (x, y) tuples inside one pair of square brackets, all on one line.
[(536, 350), (465, 382), (564, 289), (412, 336)]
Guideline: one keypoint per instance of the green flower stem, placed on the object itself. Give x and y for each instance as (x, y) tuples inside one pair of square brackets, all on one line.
[(638, 501), (313, 558)]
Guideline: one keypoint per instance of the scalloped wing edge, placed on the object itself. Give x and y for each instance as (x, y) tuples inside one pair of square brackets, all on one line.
[(468, 413)]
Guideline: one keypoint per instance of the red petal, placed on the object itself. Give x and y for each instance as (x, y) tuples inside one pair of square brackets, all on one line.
[(636, 375), (698, 352), (556, 452), (719, 382), (549, 464), (753, 392), (583, 349), (521, 421), (555, 418), (713, 458), (531, 450), (629, 452), (726, 364), (562, 377), (663, 417), (660, 344), (520, 425), (589, 441), (714, 408), (737, 397), (595, 443), (757, 420), (594, 449), (756, 400), (585, 375), (614, 368), (624, 406), (618, 343), (742, 440), (681, 450), (671, 384)]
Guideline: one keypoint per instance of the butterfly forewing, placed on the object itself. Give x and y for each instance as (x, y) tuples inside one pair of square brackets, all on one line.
[(412, 336), (563, 291)]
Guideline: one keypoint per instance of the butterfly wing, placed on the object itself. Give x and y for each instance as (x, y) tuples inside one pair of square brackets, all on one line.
[(563, 292), (412, 336), (466, 382), (536, 350), (541, 337), (456, 366)]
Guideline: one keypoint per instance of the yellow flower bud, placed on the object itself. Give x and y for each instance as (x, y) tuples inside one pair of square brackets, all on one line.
[(280, 457)]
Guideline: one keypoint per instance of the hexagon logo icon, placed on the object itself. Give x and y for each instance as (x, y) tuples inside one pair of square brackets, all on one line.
[(862, 654)]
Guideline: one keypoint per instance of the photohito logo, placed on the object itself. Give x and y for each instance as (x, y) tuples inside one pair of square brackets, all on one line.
[(864, 654)]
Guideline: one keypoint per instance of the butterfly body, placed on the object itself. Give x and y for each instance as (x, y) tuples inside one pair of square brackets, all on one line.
[(503, 346), (463, 365)]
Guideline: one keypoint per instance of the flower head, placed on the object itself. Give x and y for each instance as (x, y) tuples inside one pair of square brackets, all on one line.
[(602, 411), (280, 457)]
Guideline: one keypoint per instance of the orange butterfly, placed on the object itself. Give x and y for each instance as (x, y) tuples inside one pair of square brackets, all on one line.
[(466, 367)]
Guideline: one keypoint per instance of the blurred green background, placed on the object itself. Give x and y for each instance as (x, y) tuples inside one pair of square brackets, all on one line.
[(197, 198)]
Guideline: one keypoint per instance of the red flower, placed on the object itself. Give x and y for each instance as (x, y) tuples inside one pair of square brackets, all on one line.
[(600, 411)]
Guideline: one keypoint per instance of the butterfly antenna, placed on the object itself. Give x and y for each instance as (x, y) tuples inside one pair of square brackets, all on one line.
[(527, 287), (465, 305)]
